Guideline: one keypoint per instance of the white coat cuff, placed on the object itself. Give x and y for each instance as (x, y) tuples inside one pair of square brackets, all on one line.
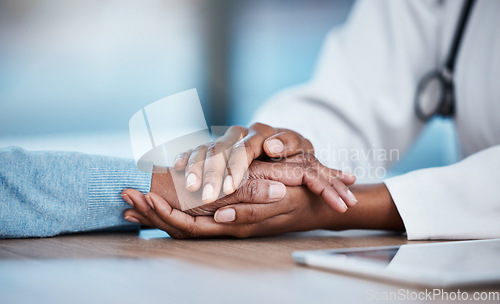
[(407, 197)]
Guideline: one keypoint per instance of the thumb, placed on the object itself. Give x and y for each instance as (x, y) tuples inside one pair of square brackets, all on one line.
[(287, 143)]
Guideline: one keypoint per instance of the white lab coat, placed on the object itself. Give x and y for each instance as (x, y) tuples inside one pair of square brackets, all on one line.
[(361, 99)]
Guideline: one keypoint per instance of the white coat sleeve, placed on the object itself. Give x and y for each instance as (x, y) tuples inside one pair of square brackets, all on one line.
[(453, 202), (361, 99), (358, 108)]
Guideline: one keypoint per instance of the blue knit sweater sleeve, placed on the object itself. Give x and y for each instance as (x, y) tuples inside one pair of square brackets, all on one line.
[(48, 193)]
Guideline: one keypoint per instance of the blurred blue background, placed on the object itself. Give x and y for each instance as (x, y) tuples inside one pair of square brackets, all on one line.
[(72, 73)]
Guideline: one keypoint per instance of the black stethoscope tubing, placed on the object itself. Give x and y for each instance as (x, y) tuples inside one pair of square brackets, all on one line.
[(445, 105)]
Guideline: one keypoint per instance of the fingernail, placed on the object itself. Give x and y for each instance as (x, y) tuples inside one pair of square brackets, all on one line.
[(344, 205), (275, 146), (208, 192), (277, 191), (190, 180), (228, 185), (132, 219), (150, 203), (225, 215), (128, 199), (351, 196)]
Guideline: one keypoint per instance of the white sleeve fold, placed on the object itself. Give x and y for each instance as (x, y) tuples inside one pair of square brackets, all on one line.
[(453, 202)]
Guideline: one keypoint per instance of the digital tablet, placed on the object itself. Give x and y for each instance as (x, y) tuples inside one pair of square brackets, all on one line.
[(443, 264)]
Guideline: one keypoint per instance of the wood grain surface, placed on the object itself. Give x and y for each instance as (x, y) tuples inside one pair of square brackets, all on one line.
[(151, 267)]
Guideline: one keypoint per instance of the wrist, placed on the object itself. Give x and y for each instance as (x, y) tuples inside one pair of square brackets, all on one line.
[(375, 210)]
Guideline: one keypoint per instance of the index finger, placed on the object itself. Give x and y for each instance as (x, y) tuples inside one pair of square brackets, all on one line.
[(243, 153), (216, 161)]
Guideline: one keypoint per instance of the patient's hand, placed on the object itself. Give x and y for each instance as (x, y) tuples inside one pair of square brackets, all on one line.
[(265, 183)]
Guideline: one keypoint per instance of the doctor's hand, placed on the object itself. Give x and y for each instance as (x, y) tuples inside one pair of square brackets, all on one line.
[(224, 163)]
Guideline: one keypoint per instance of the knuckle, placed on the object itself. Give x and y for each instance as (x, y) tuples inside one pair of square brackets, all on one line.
[(307, 173), (252, 190), (194, 166), (297, 172), (308, 145), (293, 137), (312, 173), (251, 215), (233, 163), (237, 168), (198, 155), (260, 128), (251, 147), (187, 153), (201, 148), (211, 171), (304, 166), (247, 145), (310, 158), (257, 125), (337, 183), (216, 148), (246, 192), (236, 129), (239, 147)]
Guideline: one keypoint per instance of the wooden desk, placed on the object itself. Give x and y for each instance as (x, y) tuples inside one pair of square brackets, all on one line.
[(151, 267)]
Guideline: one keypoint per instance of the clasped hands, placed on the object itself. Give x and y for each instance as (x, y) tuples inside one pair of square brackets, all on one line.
[(271, 181)]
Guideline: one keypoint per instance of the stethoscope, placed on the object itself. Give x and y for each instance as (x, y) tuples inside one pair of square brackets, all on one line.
[(435, 93)]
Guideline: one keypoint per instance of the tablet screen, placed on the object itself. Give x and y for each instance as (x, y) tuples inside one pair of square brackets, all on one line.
[(382, 256), (437, 264)]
